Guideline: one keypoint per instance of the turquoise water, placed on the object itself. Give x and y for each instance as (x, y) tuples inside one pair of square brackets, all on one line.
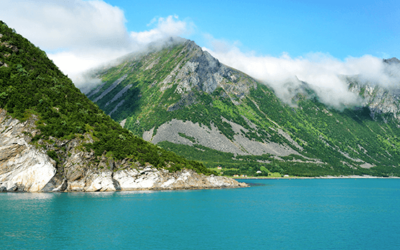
[(279, 214)]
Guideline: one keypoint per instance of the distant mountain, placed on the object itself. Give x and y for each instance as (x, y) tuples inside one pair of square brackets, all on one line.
[(379, 100), (183, 99), (392, 60), (53, 138)]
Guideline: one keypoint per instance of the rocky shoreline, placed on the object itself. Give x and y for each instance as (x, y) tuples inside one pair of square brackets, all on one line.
[(25, 167), (319, 177)]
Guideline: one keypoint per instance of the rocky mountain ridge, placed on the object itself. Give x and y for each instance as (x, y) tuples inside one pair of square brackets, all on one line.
[(379, 99), (204, 72), (392, 60), (183, 99)]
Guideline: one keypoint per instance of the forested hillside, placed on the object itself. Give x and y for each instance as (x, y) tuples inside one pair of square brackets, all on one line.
[(31, 85)]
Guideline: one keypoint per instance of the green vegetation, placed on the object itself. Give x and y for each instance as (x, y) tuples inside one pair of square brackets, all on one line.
[(247, 165), (31, 84), (328, 141), (192, 139)]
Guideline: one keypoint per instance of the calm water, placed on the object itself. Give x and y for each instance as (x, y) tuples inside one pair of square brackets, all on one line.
[(281, 214)]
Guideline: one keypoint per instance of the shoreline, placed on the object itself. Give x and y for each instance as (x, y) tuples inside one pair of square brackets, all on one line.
[(318, 177), (132, 190)]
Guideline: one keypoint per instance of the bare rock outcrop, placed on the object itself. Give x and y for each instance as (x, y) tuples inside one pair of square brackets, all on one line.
[(214, 139), (151, 178), (22, 166), (204, 72), (26, 167)]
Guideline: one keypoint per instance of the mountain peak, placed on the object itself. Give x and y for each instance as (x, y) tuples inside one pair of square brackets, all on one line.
[(392, 60), (202, 71)]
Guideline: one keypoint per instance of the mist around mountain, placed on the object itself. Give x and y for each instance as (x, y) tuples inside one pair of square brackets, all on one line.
[(63, 121), (183, 99)]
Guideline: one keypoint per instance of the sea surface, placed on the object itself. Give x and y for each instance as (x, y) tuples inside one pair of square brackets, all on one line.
[(272, 214)]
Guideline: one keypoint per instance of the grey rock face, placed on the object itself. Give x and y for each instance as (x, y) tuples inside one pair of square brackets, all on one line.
[(213, 138), (24, 168), (206, 73), (151, 178), (378, 99), (208, 69)]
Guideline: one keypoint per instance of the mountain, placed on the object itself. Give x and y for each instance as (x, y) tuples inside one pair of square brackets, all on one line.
[(182, 99), (53, 138), (392, 60)]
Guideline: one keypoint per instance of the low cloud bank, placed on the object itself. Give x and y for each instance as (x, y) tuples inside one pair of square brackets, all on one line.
[(79, 35), (87, 79), (322, 72)]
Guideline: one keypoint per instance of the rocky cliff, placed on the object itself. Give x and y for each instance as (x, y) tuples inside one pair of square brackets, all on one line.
[(380, 99), (22, 166), (203, 72), (25, 166)]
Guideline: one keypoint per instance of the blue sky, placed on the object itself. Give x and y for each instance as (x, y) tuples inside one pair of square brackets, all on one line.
[(339, 28), (275, 42)]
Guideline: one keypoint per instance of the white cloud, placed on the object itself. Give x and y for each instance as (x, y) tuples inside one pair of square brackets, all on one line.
[(165, 27), (321, 71), (79, 35), (68, 24)]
